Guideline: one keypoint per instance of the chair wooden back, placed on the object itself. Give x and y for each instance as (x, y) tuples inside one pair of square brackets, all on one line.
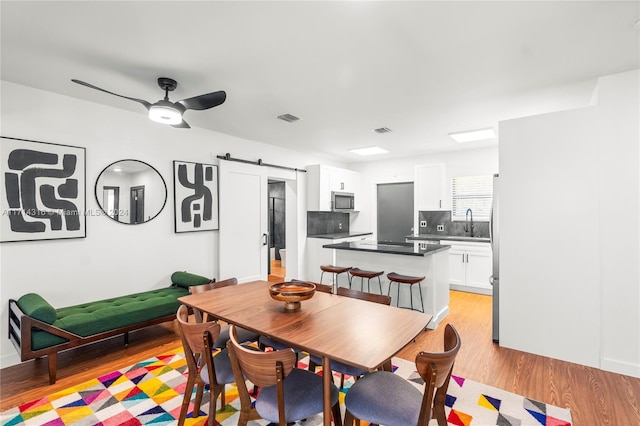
[(263, 369), (324, 288), (259, 367), (196, 289), (363, 295), (435, 369), (197, 342)]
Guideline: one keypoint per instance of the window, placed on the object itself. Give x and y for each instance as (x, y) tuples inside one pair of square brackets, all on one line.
[(471, 192)]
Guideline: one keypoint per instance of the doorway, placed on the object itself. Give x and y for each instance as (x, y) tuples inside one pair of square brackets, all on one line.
[(395, 211), (137, 204), (244, 225), (277, 230), (111, 201)]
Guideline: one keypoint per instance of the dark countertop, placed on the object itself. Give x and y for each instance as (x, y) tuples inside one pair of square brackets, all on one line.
[(432, 237), (339, 235), (408, 249)]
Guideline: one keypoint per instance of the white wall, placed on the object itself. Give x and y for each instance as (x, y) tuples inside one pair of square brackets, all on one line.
[(570, 192), (619, 109), (548, 235), (459, 163), (114, 259)]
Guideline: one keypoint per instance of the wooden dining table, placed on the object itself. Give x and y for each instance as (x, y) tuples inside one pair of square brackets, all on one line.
[(352, 331)]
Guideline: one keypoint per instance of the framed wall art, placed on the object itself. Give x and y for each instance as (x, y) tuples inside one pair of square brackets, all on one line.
[(43, 191), (195, 187)]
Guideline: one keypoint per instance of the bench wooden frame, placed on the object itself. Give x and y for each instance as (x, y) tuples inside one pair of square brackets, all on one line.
[(21, 326)]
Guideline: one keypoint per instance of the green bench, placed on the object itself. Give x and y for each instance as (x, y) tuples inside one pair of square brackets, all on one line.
[(37, 329)]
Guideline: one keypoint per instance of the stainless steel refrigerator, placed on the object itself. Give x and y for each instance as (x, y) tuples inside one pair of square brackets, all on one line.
[(494, 233)]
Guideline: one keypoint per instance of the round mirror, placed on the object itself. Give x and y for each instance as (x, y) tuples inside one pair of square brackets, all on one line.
[(131, 192)]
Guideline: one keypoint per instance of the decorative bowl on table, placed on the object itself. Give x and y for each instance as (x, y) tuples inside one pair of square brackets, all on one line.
[(292, 293)]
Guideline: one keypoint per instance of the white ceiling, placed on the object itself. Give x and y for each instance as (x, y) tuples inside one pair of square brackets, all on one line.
[(422, 68)]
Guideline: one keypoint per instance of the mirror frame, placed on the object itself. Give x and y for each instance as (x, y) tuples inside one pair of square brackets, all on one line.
[(99, 202)]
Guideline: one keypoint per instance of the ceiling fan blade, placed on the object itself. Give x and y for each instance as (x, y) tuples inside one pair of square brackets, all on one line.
[(146, 104), (182, 125), (206, 101)]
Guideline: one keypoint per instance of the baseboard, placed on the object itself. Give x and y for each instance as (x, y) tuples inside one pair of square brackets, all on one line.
[(620, 367), (468, 289), (9, 360), (437, 318)]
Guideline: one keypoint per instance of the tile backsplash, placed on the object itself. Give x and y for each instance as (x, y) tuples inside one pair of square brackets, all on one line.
[(443, 218), (322, 223)]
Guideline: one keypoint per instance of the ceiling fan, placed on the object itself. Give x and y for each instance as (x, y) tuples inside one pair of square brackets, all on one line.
[(167, 112)]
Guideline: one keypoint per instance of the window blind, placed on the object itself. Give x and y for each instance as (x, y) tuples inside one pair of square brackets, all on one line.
[(471, 192)]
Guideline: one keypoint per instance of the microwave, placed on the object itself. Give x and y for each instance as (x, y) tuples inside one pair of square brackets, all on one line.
[(342, 201)]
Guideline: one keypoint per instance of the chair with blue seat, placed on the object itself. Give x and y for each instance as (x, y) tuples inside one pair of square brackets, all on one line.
[(287, 393), (244, 335), (346, 369), (203, 368), (385, 398)]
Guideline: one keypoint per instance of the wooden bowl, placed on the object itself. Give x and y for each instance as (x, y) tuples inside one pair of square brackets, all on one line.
[(292, 293)]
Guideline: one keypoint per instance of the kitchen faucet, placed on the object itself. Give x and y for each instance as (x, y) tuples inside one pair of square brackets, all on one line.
[(468, 224)]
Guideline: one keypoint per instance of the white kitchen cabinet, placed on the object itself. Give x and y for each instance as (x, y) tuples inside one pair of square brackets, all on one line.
[(342, 180), (470, 265), (323, 180), (430, 189)]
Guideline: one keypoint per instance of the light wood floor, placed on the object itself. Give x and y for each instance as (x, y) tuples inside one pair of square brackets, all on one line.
[(278, 272), (595, 397)]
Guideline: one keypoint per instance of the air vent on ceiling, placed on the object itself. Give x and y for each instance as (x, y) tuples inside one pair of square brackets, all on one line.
[(288, 118), (382, 130)]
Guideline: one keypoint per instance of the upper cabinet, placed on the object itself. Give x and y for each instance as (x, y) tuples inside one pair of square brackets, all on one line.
[(430, 189), (323, 180)]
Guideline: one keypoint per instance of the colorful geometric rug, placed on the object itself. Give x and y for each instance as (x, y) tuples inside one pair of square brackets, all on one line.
[(150, 393)]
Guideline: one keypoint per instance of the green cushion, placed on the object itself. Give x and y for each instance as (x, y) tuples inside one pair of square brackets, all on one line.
[(35, 306), (186, 279), (104, 315)]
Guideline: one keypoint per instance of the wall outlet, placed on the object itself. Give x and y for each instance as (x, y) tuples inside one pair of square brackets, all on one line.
[(340, 225), (423, 224), (440, 228)]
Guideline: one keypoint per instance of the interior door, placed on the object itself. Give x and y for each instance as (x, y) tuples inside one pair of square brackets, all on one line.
[(137, 204), (244, 239)]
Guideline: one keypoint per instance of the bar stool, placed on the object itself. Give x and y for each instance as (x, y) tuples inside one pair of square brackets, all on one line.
[(335, 270), (405, 279), (357, 272)]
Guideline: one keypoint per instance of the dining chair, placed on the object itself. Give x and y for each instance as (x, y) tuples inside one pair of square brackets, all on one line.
[(346, 369), (287, 393), (267, 342), (204, 369), (244, 335), (385, 398)]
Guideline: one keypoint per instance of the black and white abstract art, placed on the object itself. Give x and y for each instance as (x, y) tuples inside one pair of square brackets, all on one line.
[(43, 191), (195, 196)]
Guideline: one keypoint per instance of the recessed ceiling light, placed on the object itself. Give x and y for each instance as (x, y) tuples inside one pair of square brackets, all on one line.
[(372, 150), (382, 130), (289, 118), (473, 135)]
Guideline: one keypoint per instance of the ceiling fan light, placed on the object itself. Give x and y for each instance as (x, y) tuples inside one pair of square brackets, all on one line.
[(165, 113)]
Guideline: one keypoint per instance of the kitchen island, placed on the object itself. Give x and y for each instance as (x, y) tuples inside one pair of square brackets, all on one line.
[(417, 259)]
